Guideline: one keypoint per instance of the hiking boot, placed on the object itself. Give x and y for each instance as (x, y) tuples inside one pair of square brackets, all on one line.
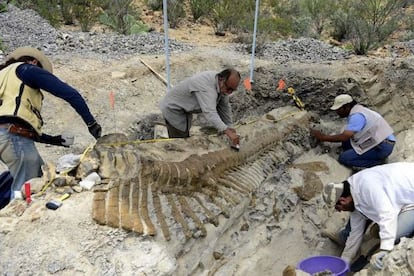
[(333, 236)]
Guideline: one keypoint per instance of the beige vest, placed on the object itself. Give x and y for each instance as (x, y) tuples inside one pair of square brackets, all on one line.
[(374, 132), (19, 100)]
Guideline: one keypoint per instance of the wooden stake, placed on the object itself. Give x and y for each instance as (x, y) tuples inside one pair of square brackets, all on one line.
[(154, 72)]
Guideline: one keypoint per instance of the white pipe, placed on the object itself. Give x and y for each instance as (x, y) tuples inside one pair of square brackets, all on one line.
[(256, 15), (167, 56)]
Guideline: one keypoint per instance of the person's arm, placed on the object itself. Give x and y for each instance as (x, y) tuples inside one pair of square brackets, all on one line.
[(36, 77), (354, 240), (356, 122), (224, 111), (379, 208), (207, 101), (344, 136)]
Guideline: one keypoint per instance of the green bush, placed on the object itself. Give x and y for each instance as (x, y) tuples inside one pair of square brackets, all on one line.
[(66, 8), (129, 25), (135, 26), (228, 16), (373, 22), (341, 21), (25, 4), (87, 12), (200, 8), (3, 6), (154, 5), (318, 12), (49, 9), (121, 16), (288, 17), (175, 12)]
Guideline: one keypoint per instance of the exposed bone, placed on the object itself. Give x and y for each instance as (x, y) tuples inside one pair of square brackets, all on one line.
[(149, 228), (145, 177), (135, 203), (160, 215), (178, 217), (233, 185), (210, 216), (187, 210)]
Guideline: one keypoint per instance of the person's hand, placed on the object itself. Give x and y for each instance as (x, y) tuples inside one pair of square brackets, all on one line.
[(377, 260), (95, 129), (315, 133), (232, 134)]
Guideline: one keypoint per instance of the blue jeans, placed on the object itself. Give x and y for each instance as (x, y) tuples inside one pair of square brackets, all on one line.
[(405, 227), (373, 157), (21, 157)]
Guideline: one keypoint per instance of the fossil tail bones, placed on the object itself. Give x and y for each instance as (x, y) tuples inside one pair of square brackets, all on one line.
[(186, 182)]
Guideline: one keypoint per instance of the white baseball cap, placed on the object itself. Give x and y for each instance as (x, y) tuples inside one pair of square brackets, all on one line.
[(332, 192), (341, 100)]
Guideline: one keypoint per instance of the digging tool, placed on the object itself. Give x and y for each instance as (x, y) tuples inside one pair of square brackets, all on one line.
[(298, 102), (55, 204)]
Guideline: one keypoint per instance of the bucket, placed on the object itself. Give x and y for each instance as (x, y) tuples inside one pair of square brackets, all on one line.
[(315, 264)]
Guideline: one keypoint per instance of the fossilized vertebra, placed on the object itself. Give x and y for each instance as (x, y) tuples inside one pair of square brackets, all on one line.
[(186, 181)]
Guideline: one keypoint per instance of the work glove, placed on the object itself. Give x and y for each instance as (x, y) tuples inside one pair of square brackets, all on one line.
[(95, 129), (377, 260), (52, 140)]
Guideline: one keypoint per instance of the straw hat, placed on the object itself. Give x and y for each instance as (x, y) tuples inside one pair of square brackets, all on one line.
[(32, 52)]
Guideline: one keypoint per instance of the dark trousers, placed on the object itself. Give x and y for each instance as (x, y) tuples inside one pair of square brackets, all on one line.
[(176, 133), (373, 157)]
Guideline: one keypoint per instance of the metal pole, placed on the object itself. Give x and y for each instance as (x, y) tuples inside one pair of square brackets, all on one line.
[(256, 15), (167, 56)]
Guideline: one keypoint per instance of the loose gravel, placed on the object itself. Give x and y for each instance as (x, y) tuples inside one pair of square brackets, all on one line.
[(26, 28)]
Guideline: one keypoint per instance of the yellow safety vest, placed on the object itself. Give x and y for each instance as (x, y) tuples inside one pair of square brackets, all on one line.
[(20, 100)]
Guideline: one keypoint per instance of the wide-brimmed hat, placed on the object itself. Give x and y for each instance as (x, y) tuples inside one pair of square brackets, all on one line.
[(32, 52), (341, 100), (332, 192)]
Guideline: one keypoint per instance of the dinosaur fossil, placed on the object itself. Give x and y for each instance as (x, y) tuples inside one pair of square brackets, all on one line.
[(149, 187)]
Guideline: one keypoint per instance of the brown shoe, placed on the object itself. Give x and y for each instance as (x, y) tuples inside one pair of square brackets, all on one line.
[(333, 236)]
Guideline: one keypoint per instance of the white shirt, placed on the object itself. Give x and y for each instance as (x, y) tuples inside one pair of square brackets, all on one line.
[(379, 193)]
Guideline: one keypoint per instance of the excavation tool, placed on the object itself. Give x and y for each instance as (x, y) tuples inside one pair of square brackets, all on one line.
[(235, 147), (298, 102), (282, 85), (56, 203)]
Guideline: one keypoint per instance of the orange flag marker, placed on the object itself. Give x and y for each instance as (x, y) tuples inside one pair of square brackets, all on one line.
[(112, 99), (281, 85), (247, 84)]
